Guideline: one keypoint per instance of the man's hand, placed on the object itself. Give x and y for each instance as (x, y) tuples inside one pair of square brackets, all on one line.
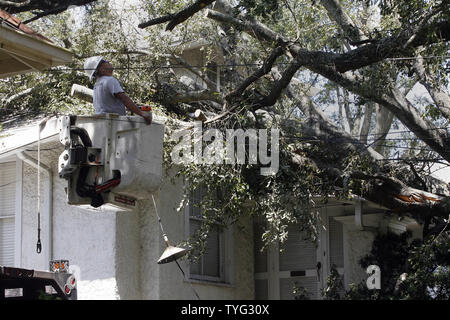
[(147, 118), (130, 105)]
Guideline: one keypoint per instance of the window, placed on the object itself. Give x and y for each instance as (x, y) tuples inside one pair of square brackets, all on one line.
[(7, 212), (214, 264)]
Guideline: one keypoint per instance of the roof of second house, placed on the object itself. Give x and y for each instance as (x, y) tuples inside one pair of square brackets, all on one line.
[(24, 50)]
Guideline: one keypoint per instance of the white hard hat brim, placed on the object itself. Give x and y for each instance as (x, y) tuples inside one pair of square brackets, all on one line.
[(91, 66), (95, 69)]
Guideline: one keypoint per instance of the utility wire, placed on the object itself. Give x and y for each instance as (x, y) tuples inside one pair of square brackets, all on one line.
[(7, 184), (311, 139)]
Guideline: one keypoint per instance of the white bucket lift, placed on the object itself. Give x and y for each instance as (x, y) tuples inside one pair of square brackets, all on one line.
[(110, 159)]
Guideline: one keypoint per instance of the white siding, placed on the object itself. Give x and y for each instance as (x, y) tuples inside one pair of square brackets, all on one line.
[(7, 212)]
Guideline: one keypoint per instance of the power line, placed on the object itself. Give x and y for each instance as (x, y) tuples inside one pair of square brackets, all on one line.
[(413, 160), (221, 65), (7, 184), (345, 139)]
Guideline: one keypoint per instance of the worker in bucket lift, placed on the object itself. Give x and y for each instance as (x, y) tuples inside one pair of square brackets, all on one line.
[(109, 96)]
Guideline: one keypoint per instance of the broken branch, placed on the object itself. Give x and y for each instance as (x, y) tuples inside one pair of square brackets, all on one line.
[(15, 4), (267, 66)]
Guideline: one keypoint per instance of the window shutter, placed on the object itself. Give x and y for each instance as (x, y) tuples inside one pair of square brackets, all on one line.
[(298, 253), (336, 233), (7, 212)]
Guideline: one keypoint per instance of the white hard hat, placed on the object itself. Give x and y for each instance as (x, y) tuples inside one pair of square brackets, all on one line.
[(91, 64)]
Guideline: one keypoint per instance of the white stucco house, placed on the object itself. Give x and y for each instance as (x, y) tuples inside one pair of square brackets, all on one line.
[(113, 249)]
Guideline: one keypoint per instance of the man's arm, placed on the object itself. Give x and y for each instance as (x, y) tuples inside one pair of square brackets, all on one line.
[(130, 105)]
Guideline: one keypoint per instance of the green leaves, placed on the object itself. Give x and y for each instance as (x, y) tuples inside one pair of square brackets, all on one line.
[(410, 270)]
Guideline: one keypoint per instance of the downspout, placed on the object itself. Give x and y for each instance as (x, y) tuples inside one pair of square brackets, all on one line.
[(359, 215), (48, 217)]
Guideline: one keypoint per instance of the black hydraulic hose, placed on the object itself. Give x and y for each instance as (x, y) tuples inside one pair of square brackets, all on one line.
[(84, 136), (83, 189)]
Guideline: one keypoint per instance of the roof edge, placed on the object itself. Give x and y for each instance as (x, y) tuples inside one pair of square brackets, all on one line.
[(17, 24)]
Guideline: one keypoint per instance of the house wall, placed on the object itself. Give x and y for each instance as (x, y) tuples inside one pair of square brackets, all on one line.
[(86, 238), (171, 282), (357, 244)]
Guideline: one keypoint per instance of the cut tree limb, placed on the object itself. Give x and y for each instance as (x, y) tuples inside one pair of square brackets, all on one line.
[(381, 188), (82, 93)]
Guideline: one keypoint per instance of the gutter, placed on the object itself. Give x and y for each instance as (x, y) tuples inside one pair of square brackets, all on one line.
[(48, 217)]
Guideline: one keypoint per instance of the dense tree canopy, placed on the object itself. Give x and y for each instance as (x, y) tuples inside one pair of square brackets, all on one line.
[(336, 77)]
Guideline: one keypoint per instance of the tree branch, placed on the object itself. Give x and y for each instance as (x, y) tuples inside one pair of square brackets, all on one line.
[(46, 13), (267, 66), (48, 7), (176, 19), (440, 98), (332, 66), (250, 26), (381, 187), (156, 21), (369, 54), (337, 14)]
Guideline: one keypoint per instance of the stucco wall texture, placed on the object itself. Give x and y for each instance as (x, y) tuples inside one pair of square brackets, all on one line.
[(113, 252)]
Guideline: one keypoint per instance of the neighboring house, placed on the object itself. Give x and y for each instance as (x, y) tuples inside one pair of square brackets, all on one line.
[(113, 251)]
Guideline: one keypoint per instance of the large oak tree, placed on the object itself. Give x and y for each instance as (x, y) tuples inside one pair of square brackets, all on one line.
[(294, 60)]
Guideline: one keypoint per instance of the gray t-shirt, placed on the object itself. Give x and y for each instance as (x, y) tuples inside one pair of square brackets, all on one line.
[(104, 100)]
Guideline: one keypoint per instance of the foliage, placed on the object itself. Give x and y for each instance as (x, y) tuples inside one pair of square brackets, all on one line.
[(300, 293), (334, 286), (410, 270)]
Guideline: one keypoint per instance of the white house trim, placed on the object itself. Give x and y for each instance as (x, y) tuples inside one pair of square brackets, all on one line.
[(21, 53)]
